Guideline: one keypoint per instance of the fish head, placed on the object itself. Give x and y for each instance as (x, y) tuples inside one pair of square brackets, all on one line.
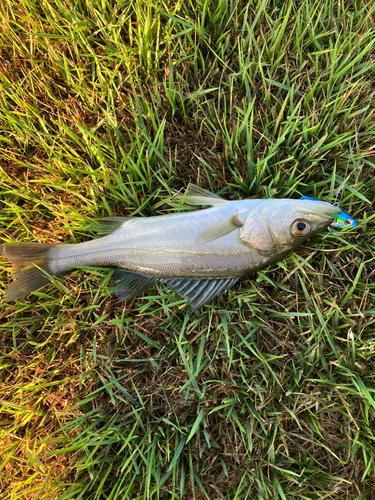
[(276, 226)]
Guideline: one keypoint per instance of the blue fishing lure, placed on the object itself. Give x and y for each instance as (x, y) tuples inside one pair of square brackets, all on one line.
[(341, 220)]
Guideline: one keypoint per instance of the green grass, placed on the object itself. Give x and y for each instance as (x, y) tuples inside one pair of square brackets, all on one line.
[(267, 393)]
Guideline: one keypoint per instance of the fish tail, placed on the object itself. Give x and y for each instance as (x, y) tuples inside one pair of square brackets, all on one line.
[(31, 262)]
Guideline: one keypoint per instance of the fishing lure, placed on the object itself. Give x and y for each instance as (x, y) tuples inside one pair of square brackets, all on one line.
[(340, 221)]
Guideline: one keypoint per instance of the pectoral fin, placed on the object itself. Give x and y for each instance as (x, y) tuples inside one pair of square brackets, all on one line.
[(220, 228)]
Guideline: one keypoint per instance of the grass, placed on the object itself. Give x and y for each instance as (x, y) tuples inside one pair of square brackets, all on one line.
[(266, 393)]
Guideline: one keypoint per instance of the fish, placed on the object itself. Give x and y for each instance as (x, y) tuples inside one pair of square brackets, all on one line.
[(341, 220), (199, 254)]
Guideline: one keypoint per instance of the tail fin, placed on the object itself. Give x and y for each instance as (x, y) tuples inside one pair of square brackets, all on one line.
[(24, 257)]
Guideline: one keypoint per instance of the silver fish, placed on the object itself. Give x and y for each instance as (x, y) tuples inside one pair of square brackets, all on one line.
[(198, 254)]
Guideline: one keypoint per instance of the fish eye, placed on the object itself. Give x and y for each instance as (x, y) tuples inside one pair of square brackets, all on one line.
[(347, 222), (300, 228)]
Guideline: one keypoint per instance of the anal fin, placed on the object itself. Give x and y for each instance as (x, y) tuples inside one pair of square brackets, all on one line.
[(199, 292), (126, 284)]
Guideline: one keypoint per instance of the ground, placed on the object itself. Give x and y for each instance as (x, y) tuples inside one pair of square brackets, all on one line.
[(107, 109)]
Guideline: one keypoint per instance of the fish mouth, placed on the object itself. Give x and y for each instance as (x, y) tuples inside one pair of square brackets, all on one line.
[(321, 209)]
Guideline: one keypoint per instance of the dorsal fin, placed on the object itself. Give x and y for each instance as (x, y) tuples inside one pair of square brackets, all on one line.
[(107, 225), (195, 195), (194, 190)]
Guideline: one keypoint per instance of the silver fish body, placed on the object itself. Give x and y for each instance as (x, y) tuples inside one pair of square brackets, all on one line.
[(173, 245), (168, 246), (184, 250)]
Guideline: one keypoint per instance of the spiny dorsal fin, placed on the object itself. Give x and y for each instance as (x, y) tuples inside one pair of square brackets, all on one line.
[(194, 190), (195, 195)]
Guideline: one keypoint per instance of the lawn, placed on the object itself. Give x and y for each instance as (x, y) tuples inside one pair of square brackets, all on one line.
[(107, 108)]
